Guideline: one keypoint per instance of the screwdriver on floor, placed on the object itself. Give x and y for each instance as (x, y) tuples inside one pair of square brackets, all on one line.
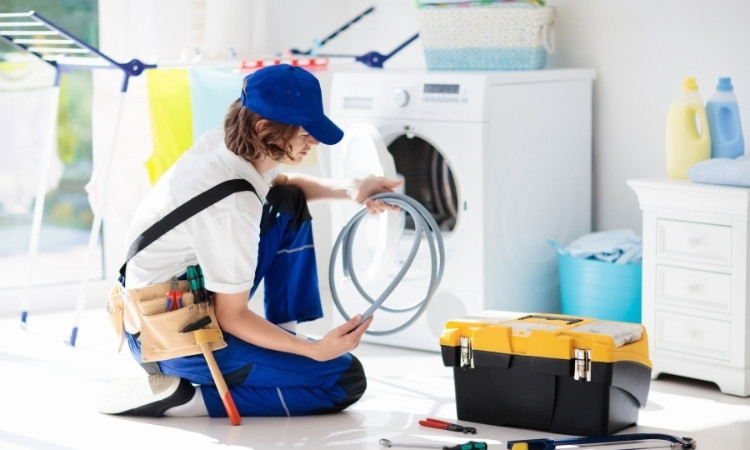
[(471, 445)]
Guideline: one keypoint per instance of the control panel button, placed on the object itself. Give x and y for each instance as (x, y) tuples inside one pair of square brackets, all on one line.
[(401, 98)]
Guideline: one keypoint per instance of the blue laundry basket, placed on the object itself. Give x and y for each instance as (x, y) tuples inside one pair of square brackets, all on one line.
[(599, 289)]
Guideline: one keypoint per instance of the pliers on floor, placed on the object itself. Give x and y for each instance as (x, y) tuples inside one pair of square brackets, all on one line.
[(443, 425)]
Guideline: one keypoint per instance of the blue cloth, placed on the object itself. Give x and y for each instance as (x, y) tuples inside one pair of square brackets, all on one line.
[(212, 90), (621, 246), (726, 171)]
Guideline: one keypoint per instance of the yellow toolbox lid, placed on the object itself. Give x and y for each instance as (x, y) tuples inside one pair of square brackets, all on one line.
[(552, 336)]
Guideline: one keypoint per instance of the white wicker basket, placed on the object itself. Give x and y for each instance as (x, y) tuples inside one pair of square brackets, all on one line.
[(486, 36)]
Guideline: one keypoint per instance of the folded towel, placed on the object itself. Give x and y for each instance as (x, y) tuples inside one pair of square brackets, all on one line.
[(726, 171), (618, 246)]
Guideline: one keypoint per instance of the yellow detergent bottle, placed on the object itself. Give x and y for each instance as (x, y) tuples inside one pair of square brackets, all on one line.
[(688, 139)]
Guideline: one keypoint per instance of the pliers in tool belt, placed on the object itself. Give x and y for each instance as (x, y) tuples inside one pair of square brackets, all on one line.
[(174, 297), (443, 425)]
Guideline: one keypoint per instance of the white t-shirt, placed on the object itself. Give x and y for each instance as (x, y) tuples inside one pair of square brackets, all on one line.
[(222, 238)]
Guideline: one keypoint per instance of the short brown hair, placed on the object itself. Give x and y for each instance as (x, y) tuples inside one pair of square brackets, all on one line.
[(240, 136)]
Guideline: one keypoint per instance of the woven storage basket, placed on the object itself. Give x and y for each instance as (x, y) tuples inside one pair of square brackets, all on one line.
[(485, 36)]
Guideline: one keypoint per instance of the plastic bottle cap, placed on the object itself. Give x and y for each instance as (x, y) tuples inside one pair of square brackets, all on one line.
[(725, 84), (689, 84)]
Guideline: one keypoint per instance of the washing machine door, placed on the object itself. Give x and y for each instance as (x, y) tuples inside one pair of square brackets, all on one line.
[(365, 154)]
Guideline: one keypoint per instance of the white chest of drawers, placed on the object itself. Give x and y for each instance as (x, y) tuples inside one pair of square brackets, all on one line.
[(696, 293)]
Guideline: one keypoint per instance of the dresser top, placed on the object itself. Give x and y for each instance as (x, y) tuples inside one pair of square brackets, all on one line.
[(669, 193)]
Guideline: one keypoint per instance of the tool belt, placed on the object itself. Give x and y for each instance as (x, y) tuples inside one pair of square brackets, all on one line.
[(165, 316), (163, 333)]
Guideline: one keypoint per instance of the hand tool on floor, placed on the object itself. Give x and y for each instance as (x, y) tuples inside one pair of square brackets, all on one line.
[(551, 444), (465, 446), (443, 425), (204, 336)]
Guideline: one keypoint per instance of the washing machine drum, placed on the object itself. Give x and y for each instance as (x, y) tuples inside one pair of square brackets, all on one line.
[(427, 176)]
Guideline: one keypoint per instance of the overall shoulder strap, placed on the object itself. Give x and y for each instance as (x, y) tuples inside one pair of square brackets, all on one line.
[(184, 212)]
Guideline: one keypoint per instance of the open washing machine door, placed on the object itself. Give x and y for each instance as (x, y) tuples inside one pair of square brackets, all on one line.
[(365, 154)]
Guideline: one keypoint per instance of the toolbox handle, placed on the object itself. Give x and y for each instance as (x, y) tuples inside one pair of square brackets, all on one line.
[(567, 320)]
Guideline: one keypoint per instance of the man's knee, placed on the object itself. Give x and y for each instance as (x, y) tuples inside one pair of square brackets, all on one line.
[(353, 382)]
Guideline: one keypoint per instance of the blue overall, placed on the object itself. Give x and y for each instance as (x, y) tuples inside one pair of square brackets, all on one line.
[(265, 382)]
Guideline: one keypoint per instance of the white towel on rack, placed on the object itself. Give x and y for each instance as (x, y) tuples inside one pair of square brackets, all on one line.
[(28, 130), (128, 182)]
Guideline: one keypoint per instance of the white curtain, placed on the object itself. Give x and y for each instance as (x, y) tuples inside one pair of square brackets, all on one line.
[(171, 30), (126, 138)]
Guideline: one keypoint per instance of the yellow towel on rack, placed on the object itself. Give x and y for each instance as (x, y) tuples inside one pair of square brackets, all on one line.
[(171, 118)]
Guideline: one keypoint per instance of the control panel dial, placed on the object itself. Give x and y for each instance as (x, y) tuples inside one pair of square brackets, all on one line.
[(401, 98)]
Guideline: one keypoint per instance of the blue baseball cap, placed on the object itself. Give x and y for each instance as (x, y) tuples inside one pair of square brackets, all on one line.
[(290, 95)]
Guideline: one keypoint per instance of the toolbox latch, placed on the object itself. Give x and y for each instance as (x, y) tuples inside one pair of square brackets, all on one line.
[(467, 355), (582, 369)]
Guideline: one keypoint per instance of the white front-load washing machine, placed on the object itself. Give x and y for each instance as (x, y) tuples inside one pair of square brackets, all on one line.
[(501, 160)]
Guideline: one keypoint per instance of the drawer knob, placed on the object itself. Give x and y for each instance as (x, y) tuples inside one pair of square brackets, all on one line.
[(694, 240), (694, 288)]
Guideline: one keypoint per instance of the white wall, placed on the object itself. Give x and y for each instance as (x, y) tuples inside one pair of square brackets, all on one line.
[(640, 49)]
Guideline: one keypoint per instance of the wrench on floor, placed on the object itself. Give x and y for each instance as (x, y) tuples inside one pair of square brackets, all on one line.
[(465, 446)]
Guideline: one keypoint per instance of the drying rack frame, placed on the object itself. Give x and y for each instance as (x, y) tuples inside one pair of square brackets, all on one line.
[(36, 35)]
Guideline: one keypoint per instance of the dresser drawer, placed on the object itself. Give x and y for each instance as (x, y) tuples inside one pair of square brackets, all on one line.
[(711, 291), (692, 335), (694, 241)]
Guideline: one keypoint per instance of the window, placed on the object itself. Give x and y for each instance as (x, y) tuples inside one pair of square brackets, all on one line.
[(67, 217)]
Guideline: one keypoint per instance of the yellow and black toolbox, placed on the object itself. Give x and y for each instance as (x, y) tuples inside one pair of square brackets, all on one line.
[(558, 373)]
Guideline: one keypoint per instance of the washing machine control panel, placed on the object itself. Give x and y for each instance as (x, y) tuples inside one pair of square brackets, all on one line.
[(446, 100), (433, 96)]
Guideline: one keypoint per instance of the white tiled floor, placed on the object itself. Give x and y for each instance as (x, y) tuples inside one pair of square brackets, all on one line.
[(48, 389)]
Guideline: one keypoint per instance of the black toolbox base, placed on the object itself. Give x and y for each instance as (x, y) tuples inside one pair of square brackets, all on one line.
[(522, 396)]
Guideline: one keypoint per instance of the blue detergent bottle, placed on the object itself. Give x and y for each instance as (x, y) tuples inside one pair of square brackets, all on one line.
[(724, 122)]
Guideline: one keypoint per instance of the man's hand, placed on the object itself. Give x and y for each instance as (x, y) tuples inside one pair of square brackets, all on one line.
[(341, 339), (370, 186)]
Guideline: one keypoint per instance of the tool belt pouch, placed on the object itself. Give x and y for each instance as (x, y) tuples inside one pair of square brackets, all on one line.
[(142, 312), (116, 314)]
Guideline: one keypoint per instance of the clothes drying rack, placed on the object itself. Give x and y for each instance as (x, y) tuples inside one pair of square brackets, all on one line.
[(372, 59), (34, 34), (38, 36)]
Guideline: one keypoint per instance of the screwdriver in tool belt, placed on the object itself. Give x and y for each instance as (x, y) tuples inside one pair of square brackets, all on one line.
[(471, 445)]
